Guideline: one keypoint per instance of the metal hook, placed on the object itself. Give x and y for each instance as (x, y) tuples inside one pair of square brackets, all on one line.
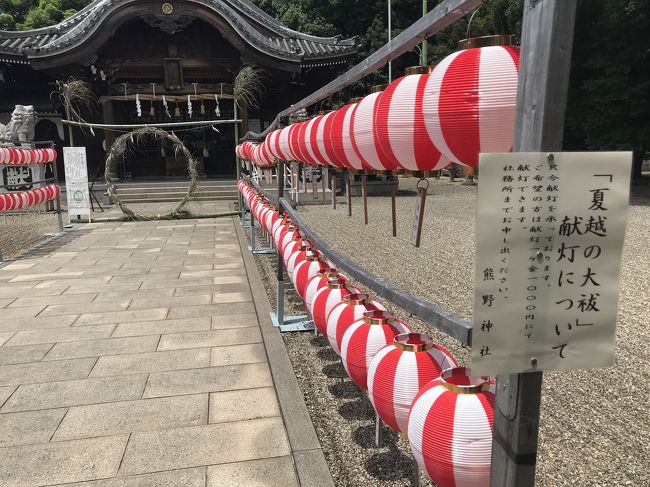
[(469, 24)]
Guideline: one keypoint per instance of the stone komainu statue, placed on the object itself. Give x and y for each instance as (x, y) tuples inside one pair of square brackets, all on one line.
[(21, 127)]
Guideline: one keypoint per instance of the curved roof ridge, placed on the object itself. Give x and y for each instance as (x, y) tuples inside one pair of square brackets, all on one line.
[(77, 17), (246, 19), (255, 10)]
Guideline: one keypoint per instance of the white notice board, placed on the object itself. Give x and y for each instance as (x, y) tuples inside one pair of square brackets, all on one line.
[(549, 239), (76, 181)]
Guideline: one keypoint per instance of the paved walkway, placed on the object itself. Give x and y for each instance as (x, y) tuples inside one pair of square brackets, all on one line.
[(143, 353)]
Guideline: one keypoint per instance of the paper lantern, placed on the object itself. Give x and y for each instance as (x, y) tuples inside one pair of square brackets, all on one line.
[(364, 338), (322, 133), (293, 234), (450, 429), (341, 139), (317, 282), (298, 255), (469, 103), (399, 371), (271, 217), (400, 126), (293, 247), (23, 199), (304, 141), (326, 298), (362, 135), (283, 144), (272, 140), (281, 230), (307, 269), (279, 223), (294, 140), (345, 313)]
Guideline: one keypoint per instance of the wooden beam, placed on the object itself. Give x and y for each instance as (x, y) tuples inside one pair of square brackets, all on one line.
[(545, 64), (445, 14)]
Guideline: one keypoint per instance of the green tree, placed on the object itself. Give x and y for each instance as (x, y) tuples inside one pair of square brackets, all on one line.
[(32, 14), (608, 105)]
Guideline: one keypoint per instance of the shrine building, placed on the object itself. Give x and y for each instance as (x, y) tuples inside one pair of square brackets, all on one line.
[(130, 50)]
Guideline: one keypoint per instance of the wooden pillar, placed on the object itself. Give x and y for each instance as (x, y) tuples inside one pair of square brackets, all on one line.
[(109, 135), (108, 118), (545, 64)]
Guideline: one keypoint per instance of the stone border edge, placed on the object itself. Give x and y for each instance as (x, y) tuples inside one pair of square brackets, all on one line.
[(309, 459)]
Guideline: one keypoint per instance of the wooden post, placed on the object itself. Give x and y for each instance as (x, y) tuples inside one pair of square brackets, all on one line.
[(545, 62)]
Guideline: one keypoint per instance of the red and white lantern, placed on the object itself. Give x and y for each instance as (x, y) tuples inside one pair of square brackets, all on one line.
[(311, 146), (364, 339), (292, 235), (272, 141), (450, 429), (23, 199), (342, 124), (280, 223), (287, 226), (283, 145), (399, 371), (469, 103), (294, 247), (400, 126), (345, 313), (306, 270), (298, 255), (270, 218), (322, 134), (362, 134), (326, 298), (317, 282)]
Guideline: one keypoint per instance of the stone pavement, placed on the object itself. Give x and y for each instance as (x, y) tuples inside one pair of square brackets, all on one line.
[(142, 354)]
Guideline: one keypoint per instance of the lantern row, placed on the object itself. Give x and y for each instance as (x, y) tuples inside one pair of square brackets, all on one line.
[(33, 197), (16, 156), (415, 385), (420, 122)]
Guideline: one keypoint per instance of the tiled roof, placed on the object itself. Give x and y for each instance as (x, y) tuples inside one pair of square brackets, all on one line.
[(257, 28)]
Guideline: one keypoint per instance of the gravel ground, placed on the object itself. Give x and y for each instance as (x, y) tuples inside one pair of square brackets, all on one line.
[(20, 231), (594, 424)]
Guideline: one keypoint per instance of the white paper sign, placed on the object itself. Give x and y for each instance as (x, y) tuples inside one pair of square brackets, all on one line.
[(550, 232), (76, 181)]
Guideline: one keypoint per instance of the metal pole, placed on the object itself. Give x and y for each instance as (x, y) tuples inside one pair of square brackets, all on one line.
[(348, 190), (280, 273), (390, 37), (237, 161), (253, 234), (425, 47), (364, 194), (545, 64), (379, 431), (59, 218)]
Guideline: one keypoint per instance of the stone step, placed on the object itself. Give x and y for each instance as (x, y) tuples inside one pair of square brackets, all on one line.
[(172, 189), (162, 199), (176, 182), (176, 194)]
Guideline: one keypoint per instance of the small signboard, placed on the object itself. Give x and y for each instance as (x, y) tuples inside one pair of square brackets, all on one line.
[(76, 182), (550, 230)]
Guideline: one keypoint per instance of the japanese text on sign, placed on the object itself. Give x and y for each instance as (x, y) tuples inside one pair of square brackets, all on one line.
[(550, 232), (76, 181)]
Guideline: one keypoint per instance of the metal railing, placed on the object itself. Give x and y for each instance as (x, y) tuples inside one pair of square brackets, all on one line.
[(444, 320)]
